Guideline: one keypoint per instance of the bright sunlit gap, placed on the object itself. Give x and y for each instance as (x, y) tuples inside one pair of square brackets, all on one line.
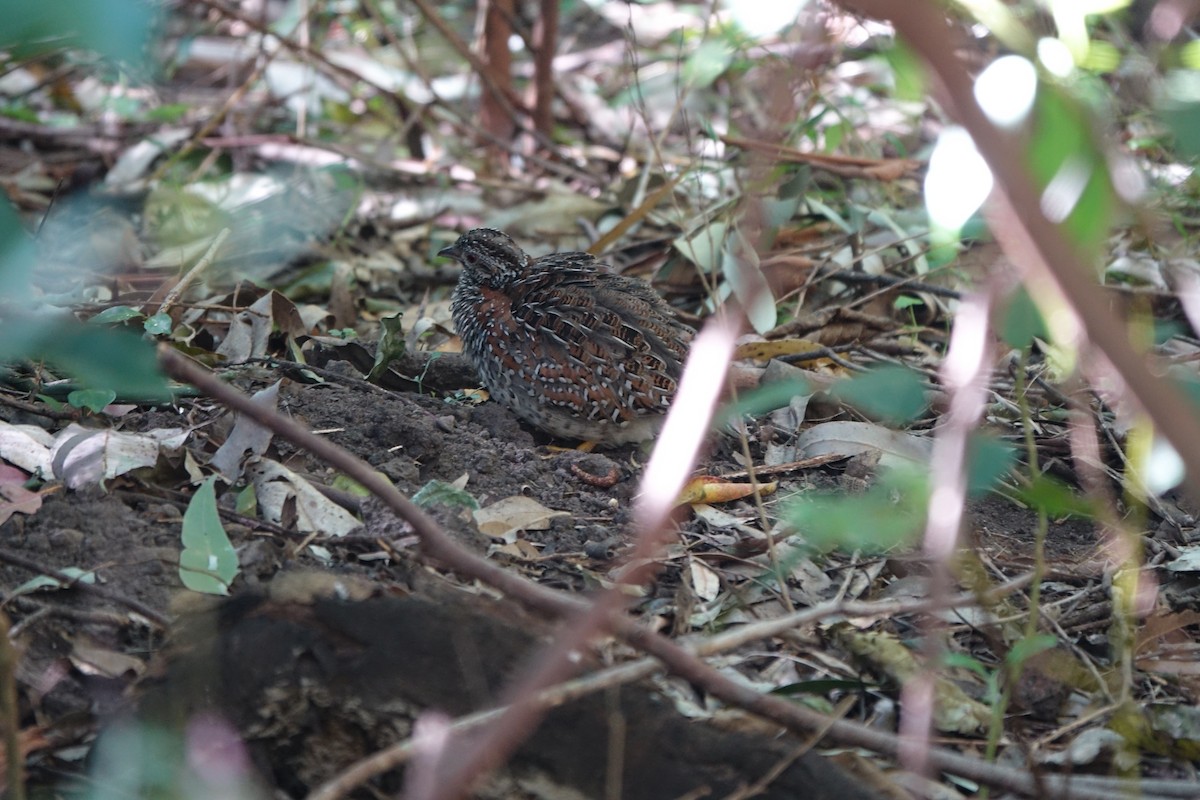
[(1055, 56), (760, 20), (1006, 89), (958, 180)]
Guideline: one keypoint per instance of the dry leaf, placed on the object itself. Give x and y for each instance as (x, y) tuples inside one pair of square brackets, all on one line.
[(505, 518)]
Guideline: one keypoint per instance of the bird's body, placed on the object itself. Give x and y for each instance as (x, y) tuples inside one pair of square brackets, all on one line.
[(563, 342)]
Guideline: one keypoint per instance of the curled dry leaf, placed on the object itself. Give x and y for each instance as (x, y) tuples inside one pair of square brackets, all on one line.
[(708, 489), (81, 456)]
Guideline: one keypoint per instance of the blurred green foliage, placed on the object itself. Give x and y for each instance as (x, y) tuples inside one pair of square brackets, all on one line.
[(117, 29)]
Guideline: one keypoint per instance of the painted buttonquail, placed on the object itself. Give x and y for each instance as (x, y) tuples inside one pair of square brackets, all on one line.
[(565, 343)]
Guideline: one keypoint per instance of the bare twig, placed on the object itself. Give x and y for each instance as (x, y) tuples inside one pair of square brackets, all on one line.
[(545, 41), (195, 272)]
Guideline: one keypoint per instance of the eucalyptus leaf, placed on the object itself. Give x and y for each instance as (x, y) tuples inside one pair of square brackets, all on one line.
[(208, 562)]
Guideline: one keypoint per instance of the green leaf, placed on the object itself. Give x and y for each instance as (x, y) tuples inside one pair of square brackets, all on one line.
[(97, 357), (908, 72), (442, 493), (157, 325), (1189, 54), (93, 400), (20, 111), (391, 346), (116, 314), (49, 582), (16, 257), (169, 112), (1028, 647), (893, 394), (765, 398), (1022, 321), (889, 514), (1180, 109), (1056, 499), (988, 460), (246, 502), (115, 28), (1071, 170), (956, 660), (208, 562), (707, 63)]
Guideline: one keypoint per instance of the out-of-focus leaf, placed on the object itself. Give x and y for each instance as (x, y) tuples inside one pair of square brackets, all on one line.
[(1056, 499), (115, 314), (93, 400), (908, 72), (988, 460), (115, 28), (1071, 170), (16, 257), (1180, 109), (890, 513), (99, 358), (169, 112), (740, 266), (892, 393), (1030, 646), (1022, 321), (703, 247), (707, 63)]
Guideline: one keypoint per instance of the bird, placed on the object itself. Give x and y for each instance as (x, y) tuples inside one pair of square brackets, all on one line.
[(565, 343)]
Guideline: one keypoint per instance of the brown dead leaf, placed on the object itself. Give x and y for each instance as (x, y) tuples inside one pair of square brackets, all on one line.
[(1165, 628)]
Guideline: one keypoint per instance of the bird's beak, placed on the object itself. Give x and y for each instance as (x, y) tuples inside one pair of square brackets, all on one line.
[(449, 252)]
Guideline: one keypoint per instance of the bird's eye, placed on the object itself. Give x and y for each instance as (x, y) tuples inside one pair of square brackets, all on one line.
[(471, 258)]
